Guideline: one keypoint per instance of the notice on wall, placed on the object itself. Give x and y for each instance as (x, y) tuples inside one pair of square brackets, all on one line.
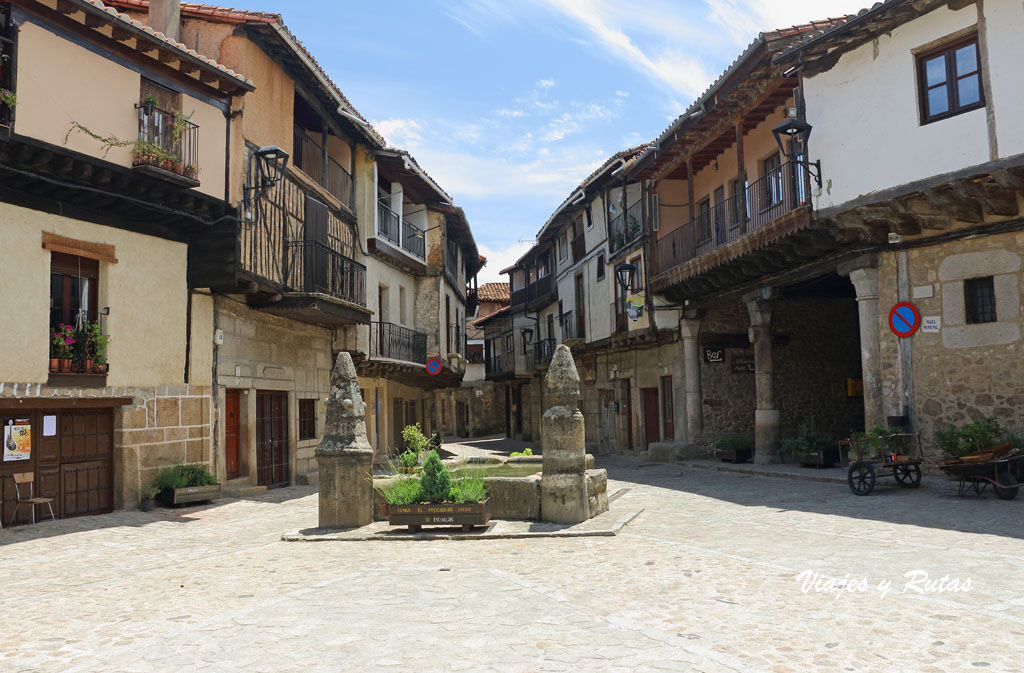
[(49, 426), (931, 323), (743, 364), (714, 354), (635, 307), (17, 440)]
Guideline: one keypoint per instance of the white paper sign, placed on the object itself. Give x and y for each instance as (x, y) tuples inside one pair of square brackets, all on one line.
[(931, 323), (49, 426)]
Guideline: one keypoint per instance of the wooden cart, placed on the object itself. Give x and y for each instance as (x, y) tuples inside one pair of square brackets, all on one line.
[(978, 471), (897, 456)]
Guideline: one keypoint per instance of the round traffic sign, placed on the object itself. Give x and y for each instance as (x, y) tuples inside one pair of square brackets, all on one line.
[(904, 319), (433, 366)]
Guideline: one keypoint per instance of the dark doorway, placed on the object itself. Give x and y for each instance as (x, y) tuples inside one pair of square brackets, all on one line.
[(667, 410), (581, 318), (628, 390), (231, 457), (396, 423), (272, 438), (651, 428)]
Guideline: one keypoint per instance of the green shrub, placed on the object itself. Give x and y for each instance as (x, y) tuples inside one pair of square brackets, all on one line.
[(181, 476), (467, 490), (402, 491), (435, 481), (732, 441), (519, 454), (414, 438), (409, 458), (972, 438), (807, 441)]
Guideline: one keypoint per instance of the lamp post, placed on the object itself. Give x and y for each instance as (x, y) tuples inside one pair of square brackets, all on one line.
[(625, 274), (272, 161), (797, 132)]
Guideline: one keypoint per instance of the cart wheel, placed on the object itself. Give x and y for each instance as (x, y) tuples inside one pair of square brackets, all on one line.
[(908, 476), (861, 478), (1008, 488)]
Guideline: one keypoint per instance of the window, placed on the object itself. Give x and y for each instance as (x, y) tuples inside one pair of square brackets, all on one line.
[(638, 276), (980, 300), (307, 419), (655, 224), (590, 219), (563, 247), (704, 221), (401, 305), (600, 266), (734, 190), (73, 290), (771, 172), (949, 80), (7, 60)]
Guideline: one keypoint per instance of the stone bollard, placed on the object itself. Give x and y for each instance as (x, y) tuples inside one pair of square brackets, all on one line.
[(344, 455), (563, 484)]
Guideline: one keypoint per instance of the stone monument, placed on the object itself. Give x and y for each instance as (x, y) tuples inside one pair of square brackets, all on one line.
[(568, 493), (344, 456)]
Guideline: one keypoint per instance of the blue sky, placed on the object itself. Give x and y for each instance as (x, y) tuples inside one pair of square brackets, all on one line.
[(509, 104)]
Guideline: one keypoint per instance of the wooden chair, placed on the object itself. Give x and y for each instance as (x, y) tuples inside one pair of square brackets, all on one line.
[(28, 478)]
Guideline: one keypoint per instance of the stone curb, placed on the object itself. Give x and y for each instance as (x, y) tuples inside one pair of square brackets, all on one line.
[(760, 472), (380, 531)]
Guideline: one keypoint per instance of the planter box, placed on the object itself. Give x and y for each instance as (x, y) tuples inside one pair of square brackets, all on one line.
[(734, 455), (827, 458), (443, 514), (195, 494)]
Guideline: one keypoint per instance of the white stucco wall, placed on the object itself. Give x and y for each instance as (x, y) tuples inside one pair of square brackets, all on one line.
[(865, 115), (1004, 21)]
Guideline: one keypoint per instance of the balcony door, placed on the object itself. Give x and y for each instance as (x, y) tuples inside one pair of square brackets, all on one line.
[(580, 308), (316, 257), (721, 214)]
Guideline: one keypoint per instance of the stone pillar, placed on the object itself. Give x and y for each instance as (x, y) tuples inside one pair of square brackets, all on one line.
[(863, 273), (344, 456), (766, 416), (689, 329), (563, 484)]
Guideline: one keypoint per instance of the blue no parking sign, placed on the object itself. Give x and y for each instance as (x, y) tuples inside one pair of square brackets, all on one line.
[(433, 366), (904, 319)]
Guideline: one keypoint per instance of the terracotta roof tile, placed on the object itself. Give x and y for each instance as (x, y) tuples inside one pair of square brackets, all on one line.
[(497, 292)]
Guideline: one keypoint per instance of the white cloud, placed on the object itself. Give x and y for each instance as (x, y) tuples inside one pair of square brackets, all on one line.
[(744, 19), (546, 83), (500, 257), (400, 132)]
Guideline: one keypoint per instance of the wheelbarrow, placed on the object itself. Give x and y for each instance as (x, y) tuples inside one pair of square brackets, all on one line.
[(978, 471)]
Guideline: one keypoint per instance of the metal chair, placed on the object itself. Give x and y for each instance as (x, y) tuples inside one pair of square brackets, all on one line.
[(31, 501)]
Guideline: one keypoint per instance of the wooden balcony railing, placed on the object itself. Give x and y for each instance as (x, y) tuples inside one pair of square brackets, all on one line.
[(541, 291), (775, 194), (518, 298), (311, 158), (395, 342)]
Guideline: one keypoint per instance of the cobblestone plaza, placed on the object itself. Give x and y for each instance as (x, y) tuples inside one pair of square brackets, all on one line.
[(707, 578)]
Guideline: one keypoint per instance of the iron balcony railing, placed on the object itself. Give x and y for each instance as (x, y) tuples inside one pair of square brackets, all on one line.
[(311, 158), (572, 325), (539, 353), (79, 348), (413, 239), (395, 342), (168, 141), (387, 224), (778, 192), (316, 267), (625, 228), (457, 339)]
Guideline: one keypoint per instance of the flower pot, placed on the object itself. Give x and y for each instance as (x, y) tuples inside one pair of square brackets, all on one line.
[(54, 364), (99, 368), (146, 505), (87, 366), (66, 364)]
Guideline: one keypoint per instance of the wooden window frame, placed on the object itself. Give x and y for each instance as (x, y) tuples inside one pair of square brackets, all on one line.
[(600, 267), (70, 265), (307, 420), (947, 50), (980, 301)]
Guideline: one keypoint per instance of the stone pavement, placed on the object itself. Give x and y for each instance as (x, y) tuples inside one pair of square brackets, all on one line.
[(494, 445), (704, 580)]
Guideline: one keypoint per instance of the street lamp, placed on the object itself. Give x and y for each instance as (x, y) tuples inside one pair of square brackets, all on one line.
[(625, 274), (272, 161), (797, 131), (527, 333)]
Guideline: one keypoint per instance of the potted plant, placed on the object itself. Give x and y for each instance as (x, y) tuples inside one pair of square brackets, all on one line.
[(811, 448), (149, 103), (8, 98), (733, 448), (435, 498), (96, 348), (148, 493), (973, 440), (415, 443), (62, 341), (179, 484)]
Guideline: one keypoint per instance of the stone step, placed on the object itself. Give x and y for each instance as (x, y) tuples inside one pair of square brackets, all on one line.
[(230, 491)]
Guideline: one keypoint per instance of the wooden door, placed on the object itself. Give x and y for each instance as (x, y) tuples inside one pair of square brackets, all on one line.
[(396, 423), (667, 410), (316, 258), (581, 310), (272, 438), (629, 413), (651, 429), (231, 457)]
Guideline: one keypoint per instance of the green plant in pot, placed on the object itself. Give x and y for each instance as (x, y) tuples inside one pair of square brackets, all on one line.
[(148, 494), (811, 447), (96, 347), (734, 447), (179, 476), (956, 442)]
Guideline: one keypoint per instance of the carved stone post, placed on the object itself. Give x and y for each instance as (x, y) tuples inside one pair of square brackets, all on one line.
[(766, 416), (863, 273), (563, 484), (344, 456)]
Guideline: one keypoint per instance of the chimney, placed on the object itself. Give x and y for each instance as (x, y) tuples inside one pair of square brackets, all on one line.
[(165, 17)]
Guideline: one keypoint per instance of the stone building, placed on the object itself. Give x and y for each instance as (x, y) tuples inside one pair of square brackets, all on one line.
[(104, 191)]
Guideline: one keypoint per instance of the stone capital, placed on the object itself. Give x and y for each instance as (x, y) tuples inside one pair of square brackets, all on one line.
[(869, 261), (760, 311), (689, 328), (865, 282)]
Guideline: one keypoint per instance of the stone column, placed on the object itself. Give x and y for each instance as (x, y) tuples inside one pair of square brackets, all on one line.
[(344, 456), (563, 483), (863, 273), (766, 416), (689, 329)]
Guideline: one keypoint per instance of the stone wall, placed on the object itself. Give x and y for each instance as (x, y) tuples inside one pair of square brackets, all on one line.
[(964, 372), (727, 397)]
